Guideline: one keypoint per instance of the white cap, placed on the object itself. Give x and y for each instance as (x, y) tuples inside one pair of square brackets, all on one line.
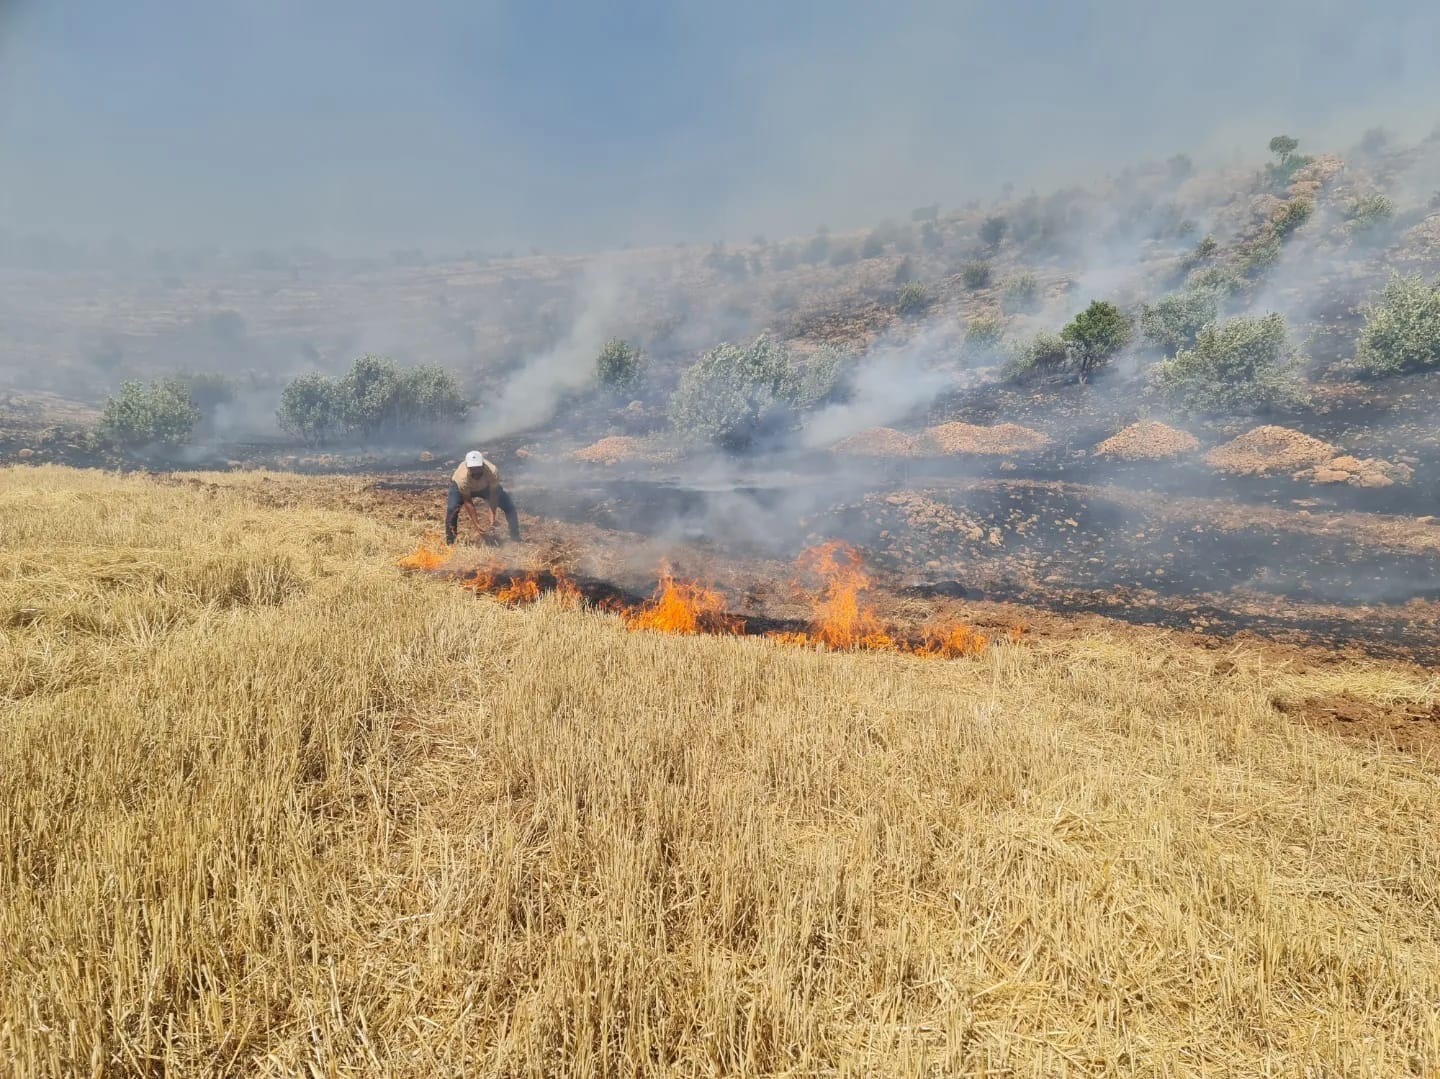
[(474, 459)]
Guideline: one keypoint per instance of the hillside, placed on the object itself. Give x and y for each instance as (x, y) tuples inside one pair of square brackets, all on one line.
[(274, 806)]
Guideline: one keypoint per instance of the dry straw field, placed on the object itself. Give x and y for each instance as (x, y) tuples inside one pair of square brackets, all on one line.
[(270, 807)]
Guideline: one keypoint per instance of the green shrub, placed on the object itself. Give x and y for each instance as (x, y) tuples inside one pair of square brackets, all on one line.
[(983, 333), (312, 409), (735, 395), (1045, 353), (432, 398), (976, 275), (823, 377), (1095, 335), (1402, 330), (1243, 363), (1294, 214), (905, 272), (912, 299), (992, 230), (1369, 212), (372, 396), (159, 414), (1260, 257), (873, 247), (619, 366), (1173, 322), (930, 237), (1223, 280), (374, 402), (1022, 290)]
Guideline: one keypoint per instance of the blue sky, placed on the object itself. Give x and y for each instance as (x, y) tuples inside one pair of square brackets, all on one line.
[(448, 125)]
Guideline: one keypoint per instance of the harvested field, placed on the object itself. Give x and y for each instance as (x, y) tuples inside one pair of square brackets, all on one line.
[(1148, 441), (1267, 450), (274, 808), (999, 440)]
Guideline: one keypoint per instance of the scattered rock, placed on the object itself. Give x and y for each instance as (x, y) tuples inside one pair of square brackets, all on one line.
[(1358, 472), (426, 456)]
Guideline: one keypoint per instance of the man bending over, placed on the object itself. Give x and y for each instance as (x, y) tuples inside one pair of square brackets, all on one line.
[(478, 478)]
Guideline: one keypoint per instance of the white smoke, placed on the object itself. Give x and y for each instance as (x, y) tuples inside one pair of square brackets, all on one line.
[(532, 394), (891, 382)]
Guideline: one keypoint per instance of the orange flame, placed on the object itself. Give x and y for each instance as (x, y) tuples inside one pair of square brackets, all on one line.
[(519, 591), (683, 607), (952, 641), (841, 621), (429, 555), (567, 592)]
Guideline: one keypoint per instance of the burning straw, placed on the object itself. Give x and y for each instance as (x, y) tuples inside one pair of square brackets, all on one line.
[(830, 577)]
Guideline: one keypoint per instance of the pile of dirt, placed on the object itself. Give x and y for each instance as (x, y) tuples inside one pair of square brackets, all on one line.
[(1267, 450), (1358, 472), (1148, 441), (999, 441), (879, 442), (617, 448)]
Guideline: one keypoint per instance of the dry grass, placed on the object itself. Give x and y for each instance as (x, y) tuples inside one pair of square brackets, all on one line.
[(270, 808)]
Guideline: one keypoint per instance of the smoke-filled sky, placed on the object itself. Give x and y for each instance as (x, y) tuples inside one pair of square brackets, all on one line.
[(486, 124)]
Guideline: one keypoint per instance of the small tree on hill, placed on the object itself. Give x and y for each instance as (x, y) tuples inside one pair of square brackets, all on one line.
[(431, 398), (160, 414), (1242, 363), (372, 395), (1043, 354), (1022, 291), (1402, 330), (1095, 335), (824, 377), (311, 409), (735, 395), (912, 299), (976, 275), (1173, 322), (619, 366), (1287, 161), (992, 230)]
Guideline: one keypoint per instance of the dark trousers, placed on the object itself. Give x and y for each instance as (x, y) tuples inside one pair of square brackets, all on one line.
[(456, 500)]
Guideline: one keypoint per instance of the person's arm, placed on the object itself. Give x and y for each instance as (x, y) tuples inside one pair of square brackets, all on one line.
[(469, 504), (492, 496)]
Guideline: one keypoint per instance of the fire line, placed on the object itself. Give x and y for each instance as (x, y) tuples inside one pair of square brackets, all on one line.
[(830, 577)]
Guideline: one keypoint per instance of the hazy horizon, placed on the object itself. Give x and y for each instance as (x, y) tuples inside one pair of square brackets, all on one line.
[(449, 126)]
